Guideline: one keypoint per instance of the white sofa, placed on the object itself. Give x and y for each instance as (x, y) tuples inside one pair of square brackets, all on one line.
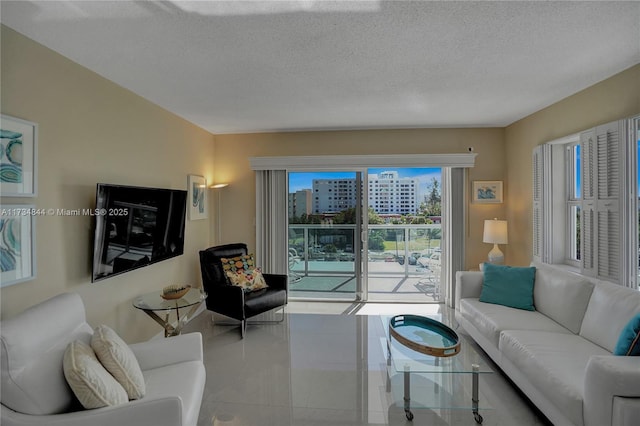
[(35, 392), (561, 354)]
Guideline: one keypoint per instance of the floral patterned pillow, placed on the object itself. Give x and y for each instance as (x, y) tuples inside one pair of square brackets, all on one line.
[(239, 263), (250, 280)]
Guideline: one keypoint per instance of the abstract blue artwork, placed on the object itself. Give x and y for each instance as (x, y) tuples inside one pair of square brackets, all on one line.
[(197, 197), (17, 244), (18, 148)]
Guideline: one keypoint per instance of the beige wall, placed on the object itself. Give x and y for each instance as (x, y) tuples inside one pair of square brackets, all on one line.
[(612, 99), (91, 130), (232, 154)]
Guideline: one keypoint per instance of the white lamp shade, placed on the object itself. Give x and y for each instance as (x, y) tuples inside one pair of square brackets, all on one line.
[(495, 232)]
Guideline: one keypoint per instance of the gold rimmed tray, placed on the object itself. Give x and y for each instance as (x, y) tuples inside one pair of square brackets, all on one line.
[(424, 335)]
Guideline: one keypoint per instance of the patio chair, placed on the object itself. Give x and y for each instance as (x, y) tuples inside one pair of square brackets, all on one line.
[(429, 282), (294, 259), (232, 301)]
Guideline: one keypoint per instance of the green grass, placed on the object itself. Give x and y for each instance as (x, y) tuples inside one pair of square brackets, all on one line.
[(415, 245)]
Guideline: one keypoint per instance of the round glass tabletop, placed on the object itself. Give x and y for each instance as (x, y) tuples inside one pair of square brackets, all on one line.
[(154, 302)]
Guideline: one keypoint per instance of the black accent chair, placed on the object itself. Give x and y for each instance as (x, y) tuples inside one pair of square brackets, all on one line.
[(231, 301)]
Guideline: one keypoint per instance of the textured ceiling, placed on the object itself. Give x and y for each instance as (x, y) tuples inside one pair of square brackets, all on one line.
[(233, 67)]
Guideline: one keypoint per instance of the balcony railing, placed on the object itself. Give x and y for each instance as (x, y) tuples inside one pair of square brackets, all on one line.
[(403, 262), (398, 250)]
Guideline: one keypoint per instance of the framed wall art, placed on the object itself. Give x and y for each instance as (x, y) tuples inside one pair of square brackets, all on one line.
[(487, 192), (197, 197), (18, 157), (17, 244)]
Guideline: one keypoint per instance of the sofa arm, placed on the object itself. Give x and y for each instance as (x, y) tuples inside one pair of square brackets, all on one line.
[(165, 411), (468, 284), (172, 350), (607, 377), (626, 411)]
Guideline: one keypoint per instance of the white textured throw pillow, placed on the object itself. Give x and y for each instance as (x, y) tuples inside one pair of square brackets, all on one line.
[(91, 383), (119, 360)]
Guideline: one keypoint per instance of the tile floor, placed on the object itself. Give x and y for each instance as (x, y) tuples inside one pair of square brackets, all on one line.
[(325, 365)]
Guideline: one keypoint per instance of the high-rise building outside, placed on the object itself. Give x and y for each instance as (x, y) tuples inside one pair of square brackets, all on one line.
[(333, 195), (388, 194), (300, 203)]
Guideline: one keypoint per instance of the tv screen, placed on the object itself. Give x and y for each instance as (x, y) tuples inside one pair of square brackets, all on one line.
[(136, 227)]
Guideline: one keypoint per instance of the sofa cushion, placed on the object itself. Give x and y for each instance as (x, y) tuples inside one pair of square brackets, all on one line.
[(244, 262), (258, 302), (554, 363), (610, 308), (508, 285), (555, 290), (116, 356), (491, 319), (247, 279), (90, 381), (629, 340)]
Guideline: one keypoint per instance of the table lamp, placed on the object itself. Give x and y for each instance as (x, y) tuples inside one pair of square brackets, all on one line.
[(495, 232)]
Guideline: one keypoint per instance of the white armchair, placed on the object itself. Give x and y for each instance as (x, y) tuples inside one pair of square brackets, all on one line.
[(35, 391)]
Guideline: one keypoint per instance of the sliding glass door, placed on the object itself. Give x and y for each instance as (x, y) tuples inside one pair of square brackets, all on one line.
[(373, 234), (404, 234), (325, 224)]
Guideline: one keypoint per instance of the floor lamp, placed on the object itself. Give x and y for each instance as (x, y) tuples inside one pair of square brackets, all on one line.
[(218, 188)]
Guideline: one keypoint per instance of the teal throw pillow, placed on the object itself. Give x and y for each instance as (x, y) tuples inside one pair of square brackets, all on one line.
[(508, 285), (629, 340)]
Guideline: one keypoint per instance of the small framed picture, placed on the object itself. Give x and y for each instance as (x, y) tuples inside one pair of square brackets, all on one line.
[(17, 244), (487, 191), (197, 197), (18, 157)]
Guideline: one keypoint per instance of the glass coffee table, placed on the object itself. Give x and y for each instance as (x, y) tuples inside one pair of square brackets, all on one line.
[(426, 358), (152, 302)]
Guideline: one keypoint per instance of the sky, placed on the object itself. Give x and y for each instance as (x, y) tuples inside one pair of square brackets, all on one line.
[(303, 180)]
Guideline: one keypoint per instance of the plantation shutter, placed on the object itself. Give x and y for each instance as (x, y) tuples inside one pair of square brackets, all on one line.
[(609, 165), (587, 226), (602, 188), (541, 203), (537, 204)]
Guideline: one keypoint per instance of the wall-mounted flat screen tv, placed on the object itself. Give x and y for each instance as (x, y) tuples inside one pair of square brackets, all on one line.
[(136, 227)]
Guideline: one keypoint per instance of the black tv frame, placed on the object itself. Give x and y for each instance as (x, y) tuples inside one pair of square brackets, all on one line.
[(127, 235)]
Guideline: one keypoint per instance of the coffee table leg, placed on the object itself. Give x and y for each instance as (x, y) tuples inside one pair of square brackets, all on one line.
[(407, 393), (475, 399), (388, 366)]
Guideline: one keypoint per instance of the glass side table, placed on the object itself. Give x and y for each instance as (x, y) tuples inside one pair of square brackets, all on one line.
[(151, 303)]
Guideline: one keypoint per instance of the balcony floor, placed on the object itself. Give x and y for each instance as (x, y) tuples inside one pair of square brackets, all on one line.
[(408, 289)]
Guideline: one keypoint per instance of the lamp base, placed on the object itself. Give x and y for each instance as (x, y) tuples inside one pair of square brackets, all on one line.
[(496, 256)]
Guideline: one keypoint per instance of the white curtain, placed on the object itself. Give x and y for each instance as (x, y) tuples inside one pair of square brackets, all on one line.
[(453, 229), (271, 221)]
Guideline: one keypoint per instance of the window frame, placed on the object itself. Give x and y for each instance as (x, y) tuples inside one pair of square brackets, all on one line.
[(608, 202), (573, 201)]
